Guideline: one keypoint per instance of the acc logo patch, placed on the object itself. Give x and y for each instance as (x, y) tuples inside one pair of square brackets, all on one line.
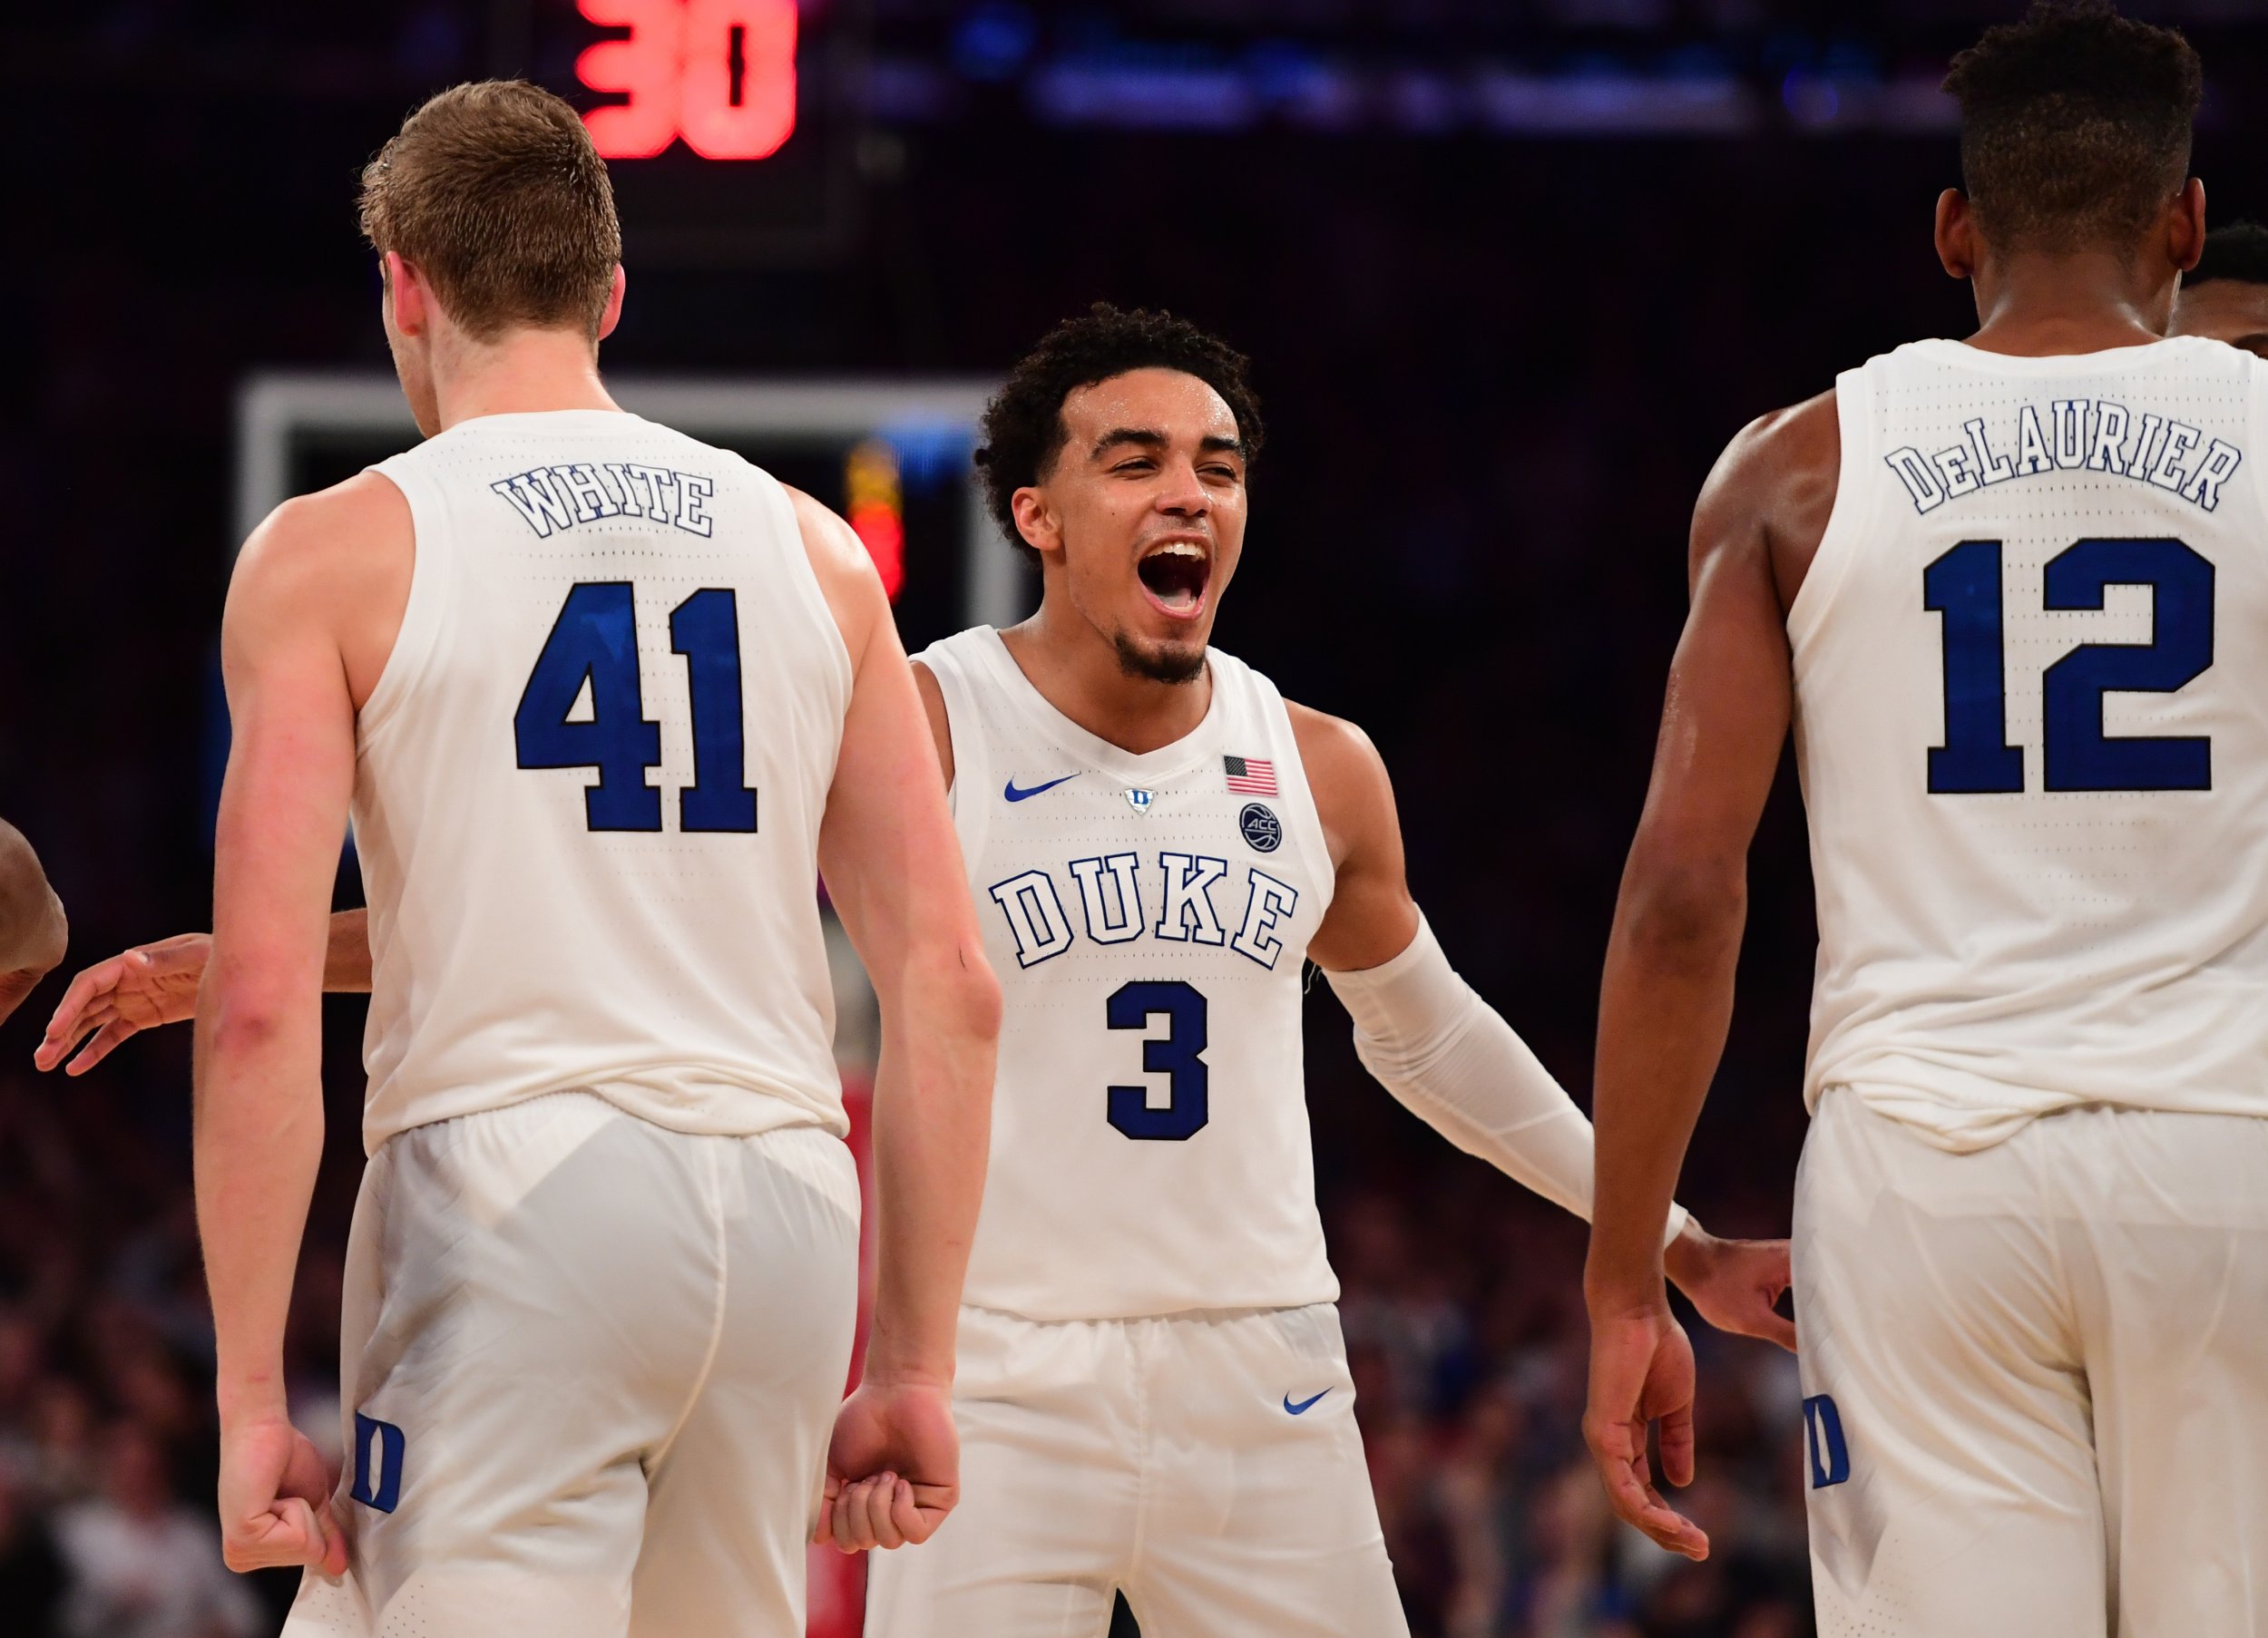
[(1261, 827)]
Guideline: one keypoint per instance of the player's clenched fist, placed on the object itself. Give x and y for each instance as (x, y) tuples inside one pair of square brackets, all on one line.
[(893, 1468), (275, 1501)]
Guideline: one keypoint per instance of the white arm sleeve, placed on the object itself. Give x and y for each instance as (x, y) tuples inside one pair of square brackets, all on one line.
[(1456, 1065)]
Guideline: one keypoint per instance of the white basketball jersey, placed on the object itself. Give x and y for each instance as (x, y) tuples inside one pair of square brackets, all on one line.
[(591, 783), (1149, 917), (2031, 680)]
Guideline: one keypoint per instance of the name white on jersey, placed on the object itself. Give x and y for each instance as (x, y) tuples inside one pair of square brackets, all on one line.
[(2031, 668), (1149, 917)]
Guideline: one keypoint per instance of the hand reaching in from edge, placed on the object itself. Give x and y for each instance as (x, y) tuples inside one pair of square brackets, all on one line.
[(137, 989), (893, 1468), (1736, 1285)]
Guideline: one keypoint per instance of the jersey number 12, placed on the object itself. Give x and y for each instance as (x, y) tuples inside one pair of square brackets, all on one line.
[(594, 641), (2075, 754)]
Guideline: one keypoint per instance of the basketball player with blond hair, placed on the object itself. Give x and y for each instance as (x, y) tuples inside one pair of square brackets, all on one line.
[(602, 703)]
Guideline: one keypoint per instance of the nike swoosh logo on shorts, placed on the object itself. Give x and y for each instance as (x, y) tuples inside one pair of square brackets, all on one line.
[(1304, 1405), (1014, 794)]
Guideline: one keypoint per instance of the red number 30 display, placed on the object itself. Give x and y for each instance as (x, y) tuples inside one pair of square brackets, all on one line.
[(720, 74)]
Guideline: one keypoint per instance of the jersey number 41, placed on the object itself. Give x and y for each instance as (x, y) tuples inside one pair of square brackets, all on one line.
[(594, 641)]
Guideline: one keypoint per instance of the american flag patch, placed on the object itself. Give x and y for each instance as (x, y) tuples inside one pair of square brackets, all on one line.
[(1250, 776)]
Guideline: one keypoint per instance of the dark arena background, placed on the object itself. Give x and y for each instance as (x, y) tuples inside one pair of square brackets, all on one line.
[(1510, 271)]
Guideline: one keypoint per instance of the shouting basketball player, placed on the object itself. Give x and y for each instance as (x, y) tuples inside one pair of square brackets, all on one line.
[(1153, 1394)]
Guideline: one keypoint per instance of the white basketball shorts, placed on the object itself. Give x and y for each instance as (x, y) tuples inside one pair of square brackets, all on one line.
[(590, 1367), (1207, 1464), (2036, 1376)]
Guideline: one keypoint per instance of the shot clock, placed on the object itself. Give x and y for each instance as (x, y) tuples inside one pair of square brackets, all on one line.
[(730, 126)]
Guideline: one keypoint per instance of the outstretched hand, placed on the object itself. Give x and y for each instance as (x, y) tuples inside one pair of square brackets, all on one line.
[(1736, 1284), (137, 989), (275, 1502), (893, 1468), (1641, 1372)]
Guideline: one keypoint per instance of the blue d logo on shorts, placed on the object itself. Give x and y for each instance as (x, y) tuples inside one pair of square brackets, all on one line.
[(1823, 1435), (378, 1463)]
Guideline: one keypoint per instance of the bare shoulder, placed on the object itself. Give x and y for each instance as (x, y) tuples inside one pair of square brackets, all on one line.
[(348, 530), (343, 555), (1809, 430), (1773, 491), (845, 573), (832, 545), (1333, 750), (1353, 796)]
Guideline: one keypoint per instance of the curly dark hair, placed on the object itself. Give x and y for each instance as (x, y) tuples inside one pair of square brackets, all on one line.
[(1023, 424), (2238, 250), (2075, 124)]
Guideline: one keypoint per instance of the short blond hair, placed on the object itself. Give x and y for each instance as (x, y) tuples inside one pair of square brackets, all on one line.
[(495, 193)]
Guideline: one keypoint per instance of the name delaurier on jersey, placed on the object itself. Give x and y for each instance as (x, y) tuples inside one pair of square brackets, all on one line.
[(2077, 434)]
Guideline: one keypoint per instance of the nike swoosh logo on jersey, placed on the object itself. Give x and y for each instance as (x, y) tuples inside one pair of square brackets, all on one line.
[(1304, 1405), (1014, 794)]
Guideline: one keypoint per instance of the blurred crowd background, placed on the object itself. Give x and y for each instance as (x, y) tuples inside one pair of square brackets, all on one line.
[(1512, 271)]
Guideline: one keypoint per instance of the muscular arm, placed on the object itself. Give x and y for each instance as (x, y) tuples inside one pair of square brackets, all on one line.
[(283, 815), (306, 576), (1667, 997), (892, 868), (32, 930)]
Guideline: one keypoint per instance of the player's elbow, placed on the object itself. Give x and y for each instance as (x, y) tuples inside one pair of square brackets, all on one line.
[(1683, 904), (968, 991), (244, 1021), (946, 988)]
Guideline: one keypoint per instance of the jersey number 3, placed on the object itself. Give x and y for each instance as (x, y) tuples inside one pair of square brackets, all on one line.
[(2075, 754), (594, 642), (1177, 1055)]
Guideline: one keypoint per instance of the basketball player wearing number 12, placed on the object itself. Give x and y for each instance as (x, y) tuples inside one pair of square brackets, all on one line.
[(2014, 593), (1153, 1395), (602, 702)]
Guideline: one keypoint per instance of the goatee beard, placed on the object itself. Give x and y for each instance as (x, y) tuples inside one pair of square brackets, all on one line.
[(1162, 664)]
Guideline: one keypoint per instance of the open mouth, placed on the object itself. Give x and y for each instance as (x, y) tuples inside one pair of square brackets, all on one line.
[(1175, 573)]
